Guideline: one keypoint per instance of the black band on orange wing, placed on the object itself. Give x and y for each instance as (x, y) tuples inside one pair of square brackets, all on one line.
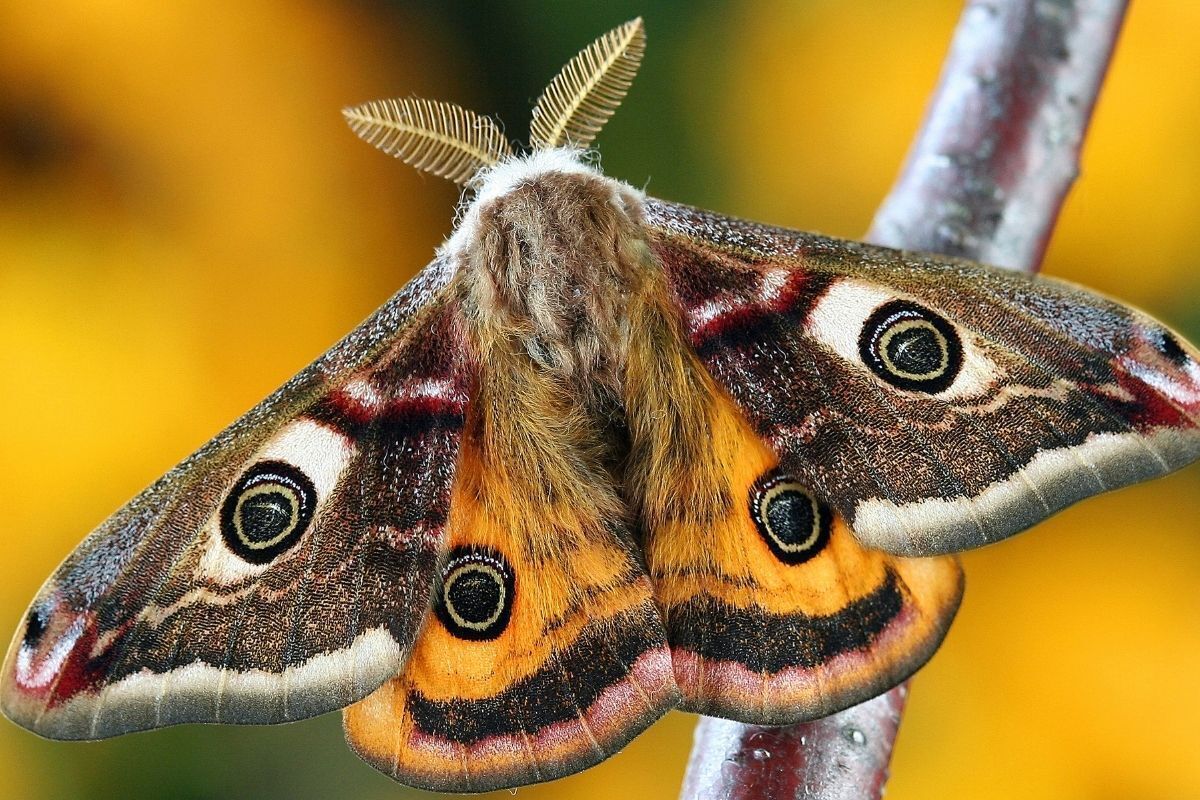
[(783, 615), (748, 664), (594, 696), (770, 643), (544, 654), (600, 659)]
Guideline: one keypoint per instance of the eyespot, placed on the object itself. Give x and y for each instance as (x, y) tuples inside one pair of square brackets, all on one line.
[(267, 511), (911, 347), (793, 523), (1170, 348), (476, 596)]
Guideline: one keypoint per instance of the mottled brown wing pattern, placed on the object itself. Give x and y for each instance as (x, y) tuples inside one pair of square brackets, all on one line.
[(280, 572), (938, 405)]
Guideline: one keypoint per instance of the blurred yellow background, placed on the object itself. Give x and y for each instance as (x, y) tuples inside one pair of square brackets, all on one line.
[(185, 222)]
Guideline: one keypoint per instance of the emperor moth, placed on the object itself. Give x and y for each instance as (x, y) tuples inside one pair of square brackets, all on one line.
[(605, 456)]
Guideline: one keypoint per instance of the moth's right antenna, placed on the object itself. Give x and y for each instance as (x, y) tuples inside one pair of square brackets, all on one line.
[(582, 97)]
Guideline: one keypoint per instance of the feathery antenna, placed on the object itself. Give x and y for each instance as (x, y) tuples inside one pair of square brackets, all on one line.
[(582, 97), (433, 136), (455, 143)]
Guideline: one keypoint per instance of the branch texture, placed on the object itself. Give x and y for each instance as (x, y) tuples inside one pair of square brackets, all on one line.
[(985, 180), (841, 757), (1000, 145)]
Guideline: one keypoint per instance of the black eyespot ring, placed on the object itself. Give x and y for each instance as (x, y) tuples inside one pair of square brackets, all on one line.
[(793, 523), (911, 347), (476, 595), (267, 511)]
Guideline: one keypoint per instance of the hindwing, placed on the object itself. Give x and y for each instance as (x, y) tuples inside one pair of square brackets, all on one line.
[(775, 612), (544, 652)]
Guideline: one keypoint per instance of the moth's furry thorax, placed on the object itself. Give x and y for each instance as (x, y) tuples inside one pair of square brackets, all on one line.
[(592, 401), (550, 252)]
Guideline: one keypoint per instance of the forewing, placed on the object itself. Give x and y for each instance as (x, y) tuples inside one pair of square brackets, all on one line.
[(937, 404), (279, 572)]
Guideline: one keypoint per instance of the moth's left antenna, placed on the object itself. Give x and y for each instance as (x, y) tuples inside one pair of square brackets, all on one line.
[(442, 138)]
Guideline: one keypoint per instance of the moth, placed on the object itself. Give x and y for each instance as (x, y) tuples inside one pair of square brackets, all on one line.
[(605, 456)]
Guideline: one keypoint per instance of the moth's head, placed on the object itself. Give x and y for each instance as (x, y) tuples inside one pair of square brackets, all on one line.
[(471, 150)]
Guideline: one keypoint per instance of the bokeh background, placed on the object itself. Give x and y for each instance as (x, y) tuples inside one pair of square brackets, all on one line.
[(185, 222)]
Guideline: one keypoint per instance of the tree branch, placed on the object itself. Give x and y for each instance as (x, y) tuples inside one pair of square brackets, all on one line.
[(841, 757), (1000, 145), (985, 180)]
